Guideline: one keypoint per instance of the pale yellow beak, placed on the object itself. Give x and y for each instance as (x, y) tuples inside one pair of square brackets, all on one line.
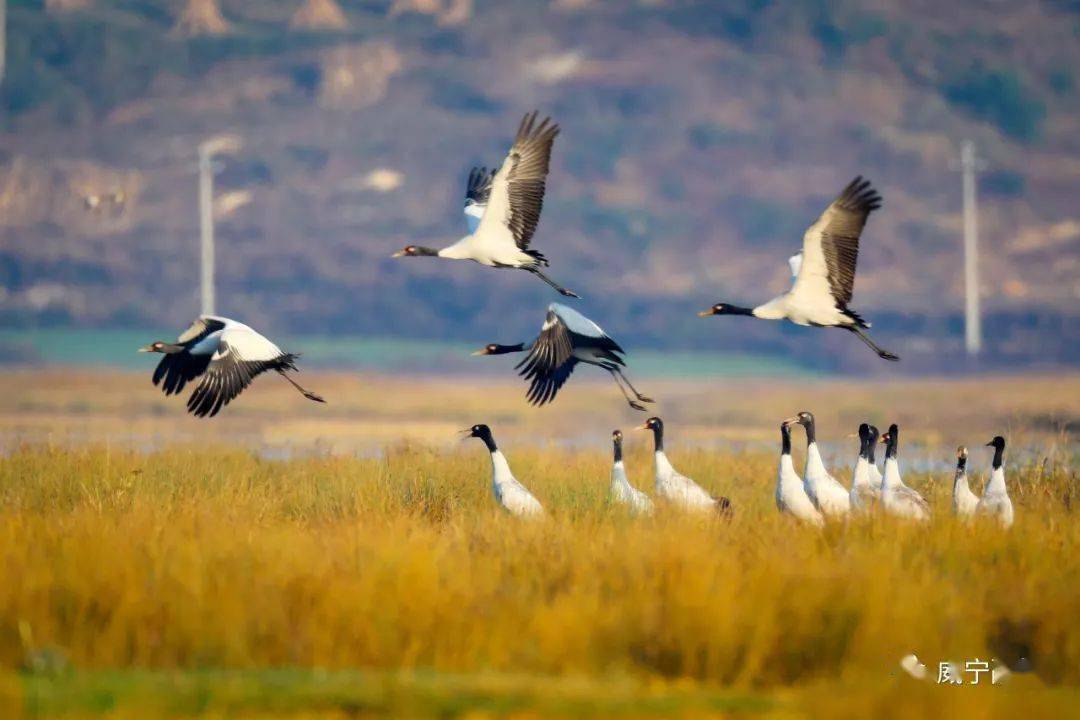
[(706, 313), (147, 348), (481, 351), (399, 253)]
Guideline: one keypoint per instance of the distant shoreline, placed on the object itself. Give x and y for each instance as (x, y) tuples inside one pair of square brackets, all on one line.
[(115, 349)]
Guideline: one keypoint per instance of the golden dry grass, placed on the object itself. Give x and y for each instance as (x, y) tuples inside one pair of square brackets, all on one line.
[(393, 576)]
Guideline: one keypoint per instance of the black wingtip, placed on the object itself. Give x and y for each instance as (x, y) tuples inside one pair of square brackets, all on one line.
[(525, 128), (530, 129), (860, 194)]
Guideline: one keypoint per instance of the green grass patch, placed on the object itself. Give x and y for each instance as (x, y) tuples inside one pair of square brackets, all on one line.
[(359, 692)]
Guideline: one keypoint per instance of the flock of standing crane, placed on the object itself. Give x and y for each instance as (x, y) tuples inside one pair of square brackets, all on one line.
[(813, 499), (818, 496), (502, 210)]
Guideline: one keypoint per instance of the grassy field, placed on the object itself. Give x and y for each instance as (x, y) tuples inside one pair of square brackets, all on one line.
[(366, 412), (158, 566)]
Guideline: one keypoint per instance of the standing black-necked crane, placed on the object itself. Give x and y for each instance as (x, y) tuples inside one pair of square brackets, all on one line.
[(791, 497), (622, 492), (871, 458), (507, 205), (865, 490), (964, 502), (509, 493), (671, 485), (827, 494), (825, 275), (897, 499), (995, 500), (227, 355), (566, 338)]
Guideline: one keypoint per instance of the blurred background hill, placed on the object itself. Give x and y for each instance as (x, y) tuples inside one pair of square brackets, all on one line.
[(699, 140)]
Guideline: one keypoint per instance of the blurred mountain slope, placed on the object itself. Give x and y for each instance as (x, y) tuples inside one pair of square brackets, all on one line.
[(699, 140)]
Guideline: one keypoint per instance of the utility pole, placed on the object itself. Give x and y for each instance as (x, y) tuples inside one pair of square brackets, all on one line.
[(3, 38), (206, 229), (207, 150), (969, 165)]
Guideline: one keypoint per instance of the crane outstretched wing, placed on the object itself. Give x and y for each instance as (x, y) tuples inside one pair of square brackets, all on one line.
[(544, 387), (831, 244), (517, 189), (552, 348), (551, 358), (477, 192), (242, 355), (177, 369), (201, 327)]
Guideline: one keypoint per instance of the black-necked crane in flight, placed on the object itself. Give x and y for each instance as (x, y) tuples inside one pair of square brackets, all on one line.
[(503, 207), (227, 355), (566, 338), (825, 272)]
